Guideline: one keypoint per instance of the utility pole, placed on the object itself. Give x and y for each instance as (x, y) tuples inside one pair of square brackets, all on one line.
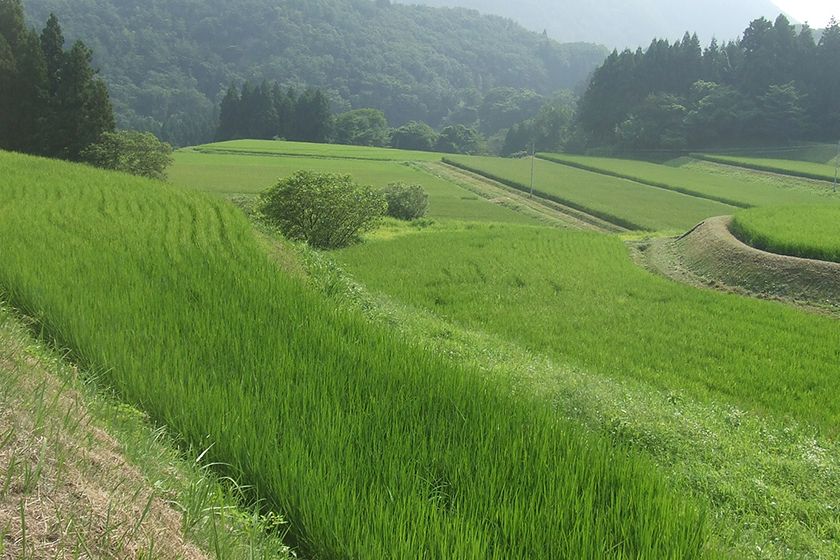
[(533, 157), (837, 166)]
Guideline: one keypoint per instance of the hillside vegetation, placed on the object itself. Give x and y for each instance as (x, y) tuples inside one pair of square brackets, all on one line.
[(166, 64), (372, 448)]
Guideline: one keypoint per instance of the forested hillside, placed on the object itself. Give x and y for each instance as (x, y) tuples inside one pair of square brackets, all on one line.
[(168, 63), (775, 85), (623, 23)]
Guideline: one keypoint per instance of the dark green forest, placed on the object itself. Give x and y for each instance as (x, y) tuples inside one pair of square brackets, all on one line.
[(776, 84), (169, 63)]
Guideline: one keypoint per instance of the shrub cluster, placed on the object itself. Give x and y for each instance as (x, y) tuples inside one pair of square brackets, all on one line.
[(406, 202), (326, 210)]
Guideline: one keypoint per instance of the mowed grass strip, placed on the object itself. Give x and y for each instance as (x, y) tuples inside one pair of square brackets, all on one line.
[(805, 169), (726, 189), (580, 299), (371, 447), (285, 148), (228, 173), (622, 202), (811, 232)]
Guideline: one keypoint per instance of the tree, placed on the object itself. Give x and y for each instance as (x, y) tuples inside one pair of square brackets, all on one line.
[(324, 209), (406, 202), (414, 136), (782, 117), (658, 123), (312, 116), (458, 139), (361, 127), (229, 117), (137, 153)]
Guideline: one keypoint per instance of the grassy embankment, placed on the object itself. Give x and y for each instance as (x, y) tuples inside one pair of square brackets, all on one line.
[(675, 176), (373, 448), (578, 298), (811, 232), (249, 167), (625, 203)]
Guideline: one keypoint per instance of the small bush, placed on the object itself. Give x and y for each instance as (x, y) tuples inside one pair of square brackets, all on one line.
[(129, 151), (326, 210), (406, 202)]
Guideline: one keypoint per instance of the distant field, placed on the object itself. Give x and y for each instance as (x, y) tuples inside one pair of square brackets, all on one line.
[(815, 152), (801, 231), (282, 147), (579, 298), (805, 169), (724, 188), (620, 201), (371, 447), (230, 173)]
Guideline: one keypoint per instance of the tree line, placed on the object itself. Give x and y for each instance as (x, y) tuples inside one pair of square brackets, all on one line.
[(269, 111), (772, 86), (51, 101)]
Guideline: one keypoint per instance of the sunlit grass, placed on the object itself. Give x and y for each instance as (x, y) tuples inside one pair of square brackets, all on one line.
[(370, 446), (801, 231)]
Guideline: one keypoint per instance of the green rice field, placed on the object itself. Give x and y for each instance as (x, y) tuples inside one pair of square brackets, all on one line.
[(801, 231), (285, 148), (579, 298), (727, 188), (625, 203), (805, 169), (370, 446), (228, 173)]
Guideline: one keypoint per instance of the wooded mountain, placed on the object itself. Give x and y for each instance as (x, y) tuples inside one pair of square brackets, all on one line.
[(623, 23), (168, 62)]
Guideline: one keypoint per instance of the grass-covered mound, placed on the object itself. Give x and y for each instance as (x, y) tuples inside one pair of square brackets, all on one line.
[(371, 447), (801, 231), (579, 298)]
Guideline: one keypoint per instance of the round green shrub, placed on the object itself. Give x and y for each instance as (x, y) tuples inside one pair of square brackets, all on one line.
[(406, 202)]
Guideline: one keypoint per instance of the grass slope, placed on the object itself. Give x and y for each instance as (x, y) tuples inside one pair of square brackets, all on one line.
[(811, 232), (234, 173), (372, 447), (726, 189), (626, 203), (580, 299)]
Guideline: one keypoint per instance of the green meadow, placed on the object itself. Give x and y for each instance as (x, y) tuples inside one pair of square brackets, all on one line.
[(625, 203), (369, 445), (801, 231), (229, 173), (678, 176), (579, 298)]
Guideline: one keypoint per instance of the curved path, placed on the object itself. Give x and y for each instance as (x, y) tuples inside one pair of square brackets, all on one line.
[(709, 255)]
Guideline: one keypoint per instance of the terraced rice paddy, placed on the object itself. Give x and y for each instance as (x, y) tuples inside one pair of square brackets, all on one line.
[(800, 231), (727, 188), (229, 173), (372, 447), (626, 203), (579, 298), (806, 169), (285, 148)]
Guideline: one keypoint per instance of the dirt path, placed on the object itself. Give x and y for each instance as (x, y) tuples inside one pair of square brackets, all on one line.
[(541, 209), (710, 256)]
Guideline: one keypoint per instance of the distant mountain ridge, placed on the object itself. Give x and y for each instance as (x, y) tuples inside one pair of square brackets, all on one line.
[(623, 23), (167, 62)]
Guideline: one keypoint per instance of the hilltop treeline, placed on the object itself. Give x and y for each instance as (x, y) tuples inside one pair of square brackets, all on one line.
[(51, 101), (169, 64), (774, 85)]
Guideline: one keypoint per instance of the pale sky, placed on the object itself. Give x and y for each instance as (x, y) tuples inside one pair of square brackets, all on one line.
[(815, 12)]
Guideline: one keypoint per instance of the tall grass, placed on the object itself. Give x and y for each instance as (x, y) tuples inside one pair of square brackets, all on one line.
[(622, 202), (795, 168), (800, 231), (371, 447), (579, 298)]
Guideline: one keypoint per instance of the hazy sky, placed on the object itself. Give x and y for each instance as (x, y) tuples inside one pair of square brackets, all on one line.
[(815, 12)]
